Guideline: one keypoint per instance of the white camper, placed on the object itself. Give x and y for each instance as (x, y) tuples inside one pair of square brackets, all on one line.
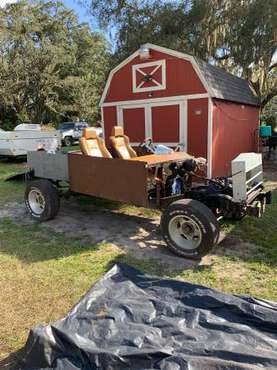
[(26, 138)]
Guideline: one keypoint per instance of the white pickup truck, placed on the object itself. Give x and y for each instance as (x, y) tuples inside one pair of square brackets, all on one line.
[(71, 132), (26, 138)]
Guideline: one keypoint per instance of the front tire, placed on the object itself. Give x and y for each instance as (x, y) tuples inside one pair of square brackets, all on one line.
[(42, 200), (189, 228)]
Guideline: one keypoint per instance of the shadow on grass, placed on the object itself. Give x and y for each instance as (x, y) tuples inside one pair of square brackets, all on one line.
[(71, 234), (84, 200), (13, 160), (82, 226), (259, 233), (32, 243), (250, 239), (8, 169), (87, 223)]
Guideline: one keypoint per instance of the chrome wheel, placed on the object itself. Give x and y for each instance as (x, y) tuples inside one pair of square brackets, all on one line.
[(36, 201), (184, 232)]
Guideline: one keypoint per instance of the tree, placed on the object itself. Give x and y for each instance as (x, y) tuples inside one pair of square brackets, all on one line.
[(269, 115), (51, 67), (238, 35)]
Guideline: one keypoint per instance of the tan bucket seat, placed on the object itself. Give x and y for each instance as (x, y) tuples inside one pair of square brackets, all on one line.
[(91, 144), (121, 144)]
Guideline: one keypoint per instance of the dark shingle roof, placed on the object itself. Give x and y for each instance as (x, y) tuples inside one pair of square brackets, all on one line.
[(224, 85)]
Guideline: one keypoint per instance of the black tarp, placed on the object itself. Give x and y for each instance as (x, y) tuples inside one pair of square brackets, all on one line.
[(129, 320)]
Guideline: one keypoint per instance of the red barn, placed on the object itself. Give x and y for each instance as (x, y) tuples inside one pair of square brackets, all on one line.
[(175, 98)]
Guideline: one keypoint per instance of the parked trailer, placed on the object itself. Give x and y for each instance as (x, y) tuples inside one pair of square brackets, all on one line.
[(26, 138), (190, 212)]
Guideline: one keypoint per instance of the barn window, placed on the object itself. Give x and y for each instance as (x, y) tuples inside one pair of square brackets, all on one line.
[(149, 76)]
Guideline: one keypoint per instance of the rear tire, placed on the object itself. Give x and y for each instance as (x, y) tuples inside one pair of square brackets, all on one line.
[(42, 200), (189, 228)]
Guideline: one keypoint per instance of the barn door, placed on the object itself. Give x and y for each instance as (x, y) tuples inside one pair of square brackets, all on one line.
[(168, 122), (133, 120), (164, 122)]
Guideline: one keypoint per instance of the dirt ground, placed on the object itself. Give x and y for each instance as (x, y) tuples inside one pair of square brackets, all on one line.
[(132, 231)]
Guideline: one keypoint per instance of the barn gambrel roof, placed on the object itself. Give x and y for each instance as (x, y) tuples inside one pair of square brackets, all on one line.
[(224, 85), (218, 83)]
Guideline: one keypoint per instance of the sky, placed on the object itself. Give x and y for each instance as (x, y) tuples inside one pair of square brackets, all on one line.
[(80, 10), (4, 2), (84, 16)]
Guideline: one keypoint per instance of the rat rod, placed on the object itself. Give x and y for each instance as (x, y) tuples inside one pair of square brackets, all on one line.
[(190, 212)]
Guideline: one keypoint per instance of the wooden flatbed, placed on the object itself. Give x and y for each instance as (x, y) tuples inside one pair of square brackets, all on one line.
[(152, 160)]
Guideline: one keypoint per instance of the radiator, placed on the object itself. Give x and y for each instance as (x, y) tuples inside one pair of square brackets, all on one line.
[(247, 175)]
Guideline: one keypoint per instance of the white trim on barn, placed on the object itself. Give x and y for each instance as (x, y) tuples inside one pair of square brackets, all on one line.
[(210, 139), (180, 55), (119, 116), (138, 68), (155, 100), (148, 122), (184, 128), (162, 50), (102, 122)]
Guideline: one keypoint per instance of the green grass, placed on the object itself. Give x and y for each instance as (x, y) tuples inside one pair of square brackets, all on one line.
[(42, 273), (42, 277), (10, 191), (72, 148), (262, 232)]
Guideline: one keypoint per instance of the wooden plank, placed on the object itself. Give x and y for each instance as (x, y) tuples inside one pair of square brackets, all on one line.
[(155, 159), (114, 179)]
